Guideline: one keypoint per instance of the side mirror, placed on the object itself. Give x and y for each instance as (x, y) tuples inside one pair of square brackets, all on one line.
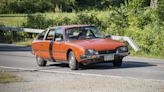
[(58, 39), (108, 36)]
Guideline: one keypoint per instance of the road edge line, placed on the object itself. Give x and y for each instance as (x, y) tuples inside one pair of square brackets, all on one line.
[(17, 68)]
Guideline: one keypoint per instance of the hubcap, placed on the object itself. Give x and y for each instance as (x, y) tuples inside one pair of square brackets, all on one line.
[(71, 60), (38, 60)]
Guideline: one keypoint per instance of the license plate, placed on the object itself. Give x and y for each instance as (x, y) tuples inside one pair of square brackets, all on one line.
[(109, 57)]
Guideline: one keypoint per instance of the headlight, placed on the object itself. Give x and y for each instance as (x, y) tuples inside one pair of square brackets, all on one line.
[(91, 52), (122, 49)]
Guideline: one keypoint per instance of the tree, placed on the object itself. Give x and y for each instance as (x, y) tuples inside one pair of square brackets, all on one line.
[(63, 5), (160, 10), (153, 3)]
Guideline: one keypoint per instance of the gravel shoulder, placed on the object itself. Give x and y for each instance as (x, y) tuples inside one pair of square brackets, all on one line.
[(34, 81)]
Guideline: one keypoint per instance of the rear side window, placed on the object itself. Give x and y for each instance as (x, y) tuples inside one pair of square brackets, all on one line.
[(50, 34), (41, 35)]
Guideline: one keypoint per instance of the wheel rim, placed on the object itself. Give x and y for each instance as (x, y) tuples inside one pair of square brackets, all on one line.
[(71, 60), (38, 60)]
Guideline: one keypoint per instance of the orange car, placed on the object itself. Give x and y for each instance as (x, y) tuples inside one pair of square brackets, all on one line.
[(77, 44)]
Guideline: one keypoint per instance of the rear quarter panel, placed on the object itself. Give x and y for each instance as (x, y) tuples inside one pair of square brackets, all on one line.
[(41, 48)]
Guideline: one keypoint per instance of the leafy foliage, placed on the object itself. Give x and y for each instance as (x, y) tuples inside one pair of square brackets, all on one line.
[(34, 6), (161, 10), (42, 6), (36, 21)]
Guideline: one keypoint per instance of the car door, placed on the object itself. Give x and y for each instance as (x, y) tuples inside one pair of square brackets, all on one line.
[(38, 43), (41, 46), (47, 44), (58, 41)]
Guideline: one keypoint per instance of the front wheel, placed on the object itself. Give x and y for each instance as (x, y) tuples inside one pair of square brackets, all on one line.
[(117, 63), (73, 64), (40, 61)]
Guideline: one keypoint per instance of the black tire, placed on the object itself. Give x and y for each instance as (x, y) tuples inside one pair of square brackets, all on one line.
[(117, 63), (73, 64), (40, 61)]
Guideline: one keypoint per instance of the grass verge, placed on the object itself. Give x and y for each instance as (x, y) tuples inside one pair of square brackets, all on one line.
[(9, 78), (12, 21), (144, 55)]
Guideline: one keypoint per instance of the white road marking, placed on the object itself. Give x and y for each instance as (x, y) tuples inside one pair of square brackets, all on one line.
[(73, 73), (17, 68)]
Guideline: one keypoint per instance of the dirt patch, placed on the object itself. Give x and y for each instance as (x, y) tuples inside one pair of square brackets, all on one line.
[(9, 78)]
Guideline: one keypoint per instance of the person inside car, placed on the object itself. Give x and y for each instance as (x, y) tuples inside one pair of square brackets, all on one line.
[(82, 34)]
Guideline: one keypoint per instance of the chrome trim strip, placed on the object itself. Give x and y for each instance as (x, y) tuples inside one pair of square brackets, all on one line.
[(54, 51), (113, 54)]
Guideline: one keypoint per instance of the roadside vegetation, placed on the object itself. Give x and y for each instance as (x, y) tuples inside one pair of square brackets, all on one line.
[(26, 42), (142, 20), (8, 78)]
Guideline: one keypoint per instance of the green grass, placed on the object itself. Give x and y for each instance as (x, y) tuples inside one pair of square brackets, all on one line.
[(18, 19), (9, 78), (12, 21), (11, 15), (59, 15), (144, 55)]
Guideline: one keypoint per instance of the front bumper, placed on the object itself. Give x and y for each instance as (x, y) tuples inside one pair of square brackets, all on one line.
[(102, 57)]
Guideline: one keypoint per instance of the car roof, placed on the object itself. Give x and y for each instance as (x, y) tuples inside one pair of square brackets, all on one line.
[(70, 26)]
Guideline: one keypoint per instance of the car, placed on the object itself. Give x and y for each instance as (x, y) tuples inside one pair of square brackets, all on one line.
[(77, 45)]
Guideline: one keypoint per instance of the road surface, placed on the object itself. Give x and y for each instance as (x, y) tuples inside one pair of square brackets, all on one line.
[(13, 56)]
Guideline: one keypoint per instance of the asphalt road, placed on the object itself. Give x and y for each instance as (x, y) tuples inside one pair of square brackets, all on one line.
[(133, 67)]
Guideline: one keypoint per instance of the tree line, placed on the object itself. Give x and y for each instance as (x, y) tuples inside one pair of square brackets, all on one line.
[(42, 6)]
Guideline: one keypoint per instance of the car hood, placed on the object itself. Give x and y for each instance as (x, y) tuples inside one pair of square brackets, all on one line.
[(98, 44)]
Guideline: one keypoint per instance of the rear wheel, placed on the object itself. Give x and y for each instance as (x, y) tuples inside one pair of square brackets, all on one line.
[(117, 63), (73, 64), (40, 61)]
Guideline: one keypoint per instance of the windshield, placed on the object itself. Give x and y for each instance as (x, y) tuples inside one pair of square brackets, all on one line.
[(88, 32)]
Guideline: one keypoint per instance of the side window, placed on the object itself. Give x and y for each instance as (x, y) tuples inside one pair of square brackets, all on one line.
[(58, 33), (50, 34), (41, 35)]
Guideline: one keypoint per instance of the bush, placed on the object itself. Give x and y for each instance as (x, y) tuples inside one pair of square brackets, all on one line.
[(160, 10), (36, 21), (88, 18)]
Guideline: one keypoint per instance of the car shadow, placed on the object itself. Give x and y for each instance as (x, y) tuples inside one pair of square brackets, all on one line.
[(54, 66), (62, 65), (104, 66), (9, 47), (126, 64)]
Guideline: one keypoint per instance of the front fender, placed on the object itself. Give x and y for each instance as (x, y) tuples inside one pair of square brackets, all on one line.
[(78, 51)]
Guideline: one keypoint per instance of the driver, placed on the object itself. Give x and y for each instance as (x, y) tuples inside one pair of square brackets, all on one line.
[(82, 34)]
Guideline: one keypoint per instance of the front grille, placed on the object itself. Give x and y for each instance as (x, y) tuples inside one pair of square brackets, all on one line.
[(107, 51)]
